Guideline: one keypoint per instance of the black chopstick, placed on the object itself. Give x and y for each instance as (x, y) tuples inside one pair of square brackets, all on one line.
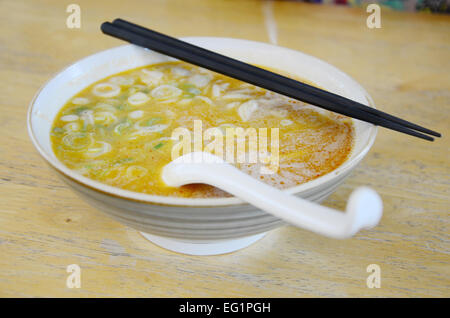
[(261, 72), (137, 37), (197, 59)]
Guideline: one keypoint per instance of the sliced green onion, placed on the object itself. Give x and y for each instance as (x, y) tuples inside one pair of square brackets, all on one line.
[(152, 121), (78, 110), (76, 140), (57, 131), (123, 160), (189, 89), (122, 127)]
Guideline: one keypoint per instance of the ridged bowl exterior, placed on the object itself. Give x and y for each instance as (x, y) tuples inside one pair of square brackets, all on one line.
[(191, 223)]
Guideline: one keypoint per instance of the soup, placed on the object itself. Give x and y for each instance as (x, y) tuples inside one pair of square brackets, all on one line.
[(119, 130)]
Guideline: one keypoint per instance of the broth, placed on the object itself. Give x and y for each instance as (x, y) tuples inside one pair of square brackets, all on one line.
[(119, 130)]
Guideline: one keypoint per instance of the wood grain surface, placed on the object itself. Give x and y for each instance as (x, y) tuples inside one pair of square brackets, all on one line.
[(405, 67)]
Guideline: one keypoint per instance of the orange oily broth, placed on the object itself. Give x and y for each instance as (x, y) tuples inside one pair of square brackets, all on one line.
[(100, 138)]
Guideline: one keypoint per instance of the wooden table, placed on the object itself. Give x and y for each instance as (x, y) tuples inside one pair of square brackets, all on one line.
[(404, 65)]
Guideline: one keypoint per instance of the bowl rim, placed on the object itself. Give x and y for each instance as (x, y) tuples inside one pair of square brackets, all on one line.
[(97, 186)]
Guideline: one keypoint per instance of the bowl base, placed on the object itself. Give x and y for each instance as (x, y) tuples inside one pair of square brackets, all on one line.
[(203, 248)]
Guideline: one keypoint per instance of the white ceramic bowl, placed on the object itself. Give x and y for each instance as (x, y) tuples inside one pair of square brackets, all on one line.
[(191, 225)]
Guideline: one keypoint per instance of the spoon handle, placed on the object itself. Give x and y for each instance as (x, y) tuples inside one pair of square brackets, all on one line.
[(364, 207)]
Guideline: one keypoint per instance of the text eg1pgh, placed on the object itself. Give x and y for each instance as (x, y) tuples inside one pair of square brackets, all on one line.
[(246, 307)]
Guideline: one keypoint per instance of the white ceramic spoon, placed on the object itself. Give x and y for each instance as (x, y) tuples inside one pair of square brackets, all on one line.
[(364, 207)]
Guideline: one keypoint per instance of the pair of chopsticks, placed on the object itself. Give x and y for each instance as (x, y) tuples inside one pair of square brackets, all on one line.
[(181, 50)]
